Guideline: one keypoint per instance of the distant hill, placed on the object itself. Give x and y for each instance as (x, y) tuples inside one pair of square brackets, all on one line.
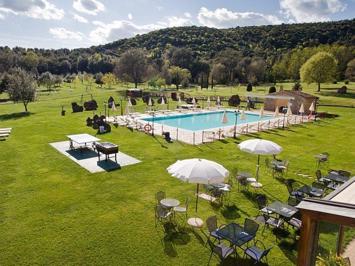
[(255, 40)]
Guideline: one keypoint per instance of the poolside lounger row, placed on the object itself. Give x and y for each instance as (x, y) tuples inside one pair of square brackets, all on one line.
[(5, 133)]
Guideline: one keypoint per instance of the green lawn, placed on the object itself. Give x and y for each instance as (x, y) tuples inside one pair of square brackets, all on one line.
[(54, 212)]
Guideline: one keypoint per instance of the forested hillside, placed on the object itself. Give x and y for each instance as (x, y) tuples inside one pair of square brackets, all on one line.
[(257, 40), (201, 55)]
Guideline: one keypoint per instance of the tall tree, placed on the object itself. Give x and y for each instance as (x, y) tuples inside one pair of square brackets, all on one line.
[(132, 66), (21, 87), (109, 79), (218, 74), (350, 70), (178, 75), (321, 67)]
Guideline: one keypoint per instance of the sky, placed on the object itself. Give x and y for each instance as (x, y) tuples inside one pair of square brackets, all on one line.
[(83, 23)]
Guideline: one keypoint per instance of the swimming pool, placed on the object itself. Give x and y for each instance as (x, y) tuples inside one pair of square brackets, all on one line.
[(203, 121)]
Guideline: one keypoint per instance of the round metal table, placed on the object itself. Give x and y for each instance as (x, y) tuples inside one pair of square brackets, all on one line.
[(170, 203), (195, 222)]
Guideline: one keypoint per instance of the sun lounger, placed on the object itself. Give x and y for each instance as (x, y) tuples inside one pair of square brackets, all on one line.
[(8, 129), (4, 136)]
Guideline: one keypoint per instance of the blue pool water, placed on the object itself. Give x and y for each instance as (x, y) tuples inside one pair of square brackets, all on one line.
[(203, 121)]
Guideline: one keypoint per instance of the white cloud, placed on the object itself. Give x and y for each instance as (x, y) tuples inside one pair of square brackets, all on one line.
[(119, 29), (310, 10), (187, 14), (91, 7), (224, 18), (80, 18), (130, 16), (38, 9), (177, 22), (64, 34)]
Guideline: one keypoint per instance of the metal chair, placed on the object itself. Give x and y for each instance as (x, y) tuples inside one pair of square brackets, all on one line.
[(161, 214), (212, 228), (261, 200), (159, 196), (221, 251), (257, 253), (182, 208), (250, 227), (293, 201), (321, 179), (323, 158), (295, 221)]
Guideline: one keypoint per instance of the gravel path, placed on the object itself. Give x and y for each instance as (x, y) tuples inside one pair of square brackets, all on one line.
[(350, 252)]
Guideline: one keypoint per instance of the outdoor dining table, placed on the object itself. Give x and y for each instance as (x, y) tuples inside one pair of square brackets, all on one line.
[(336, 177), (282, 209), (169, 203), (235, 234), (82, 140), (222, 187), (311, 191)]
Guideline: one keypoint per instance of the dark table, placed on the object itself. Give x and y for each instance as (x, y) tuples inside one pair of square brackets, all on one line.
[(282, 209), (311, 191), (336, 177), (235, 234), (106, 148)]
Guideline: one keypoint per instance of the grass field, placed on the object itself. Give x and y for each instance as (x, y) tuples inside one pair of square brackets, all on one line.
[(54, 212)]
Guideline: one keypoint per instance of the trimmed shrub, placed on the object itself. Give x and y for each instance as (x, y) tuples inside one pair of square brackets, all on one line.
[(249, 87), (272, 89), (234, 100)]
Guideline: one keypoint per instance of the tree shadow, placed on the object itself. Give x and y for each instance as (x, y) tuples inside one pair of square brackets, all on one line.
[(15, 116), (350, 95), (289, 248), (173, 236), (230, 212)]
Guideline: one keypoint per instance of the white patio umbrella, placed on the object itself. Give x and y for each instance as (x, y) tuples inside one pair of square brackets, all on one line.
[(277, 112), (128, 106), (260, 147), (179, 100), (261, 111), (193, 101), (198, 171), (162, 101), (113, 107), (224, 118), (243, 116), (301, 111), (289, 111), (311, 108), (218, 101), (150, 103), (208, 102)]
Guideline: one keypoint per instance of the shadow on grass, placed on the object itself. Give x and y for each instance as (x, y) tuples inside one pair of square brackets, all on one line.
[(230, 212), (245, 261), (350, 95), (174, 236), (289, 248), (15, 116), (161, 144)]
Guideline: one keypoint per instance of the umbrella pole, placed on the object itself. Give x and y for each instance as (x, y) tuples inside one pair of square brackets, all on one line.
[(257, 169), (197, 190)]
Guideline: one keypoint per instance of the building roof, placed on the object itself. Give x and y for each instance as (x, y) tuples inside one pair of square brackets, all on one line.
[(340, 202), (293, 94)]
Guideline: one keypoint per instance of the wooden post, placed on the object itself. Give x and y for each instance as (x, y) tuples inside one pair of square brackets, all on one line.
[(309, 240), (340, 240)]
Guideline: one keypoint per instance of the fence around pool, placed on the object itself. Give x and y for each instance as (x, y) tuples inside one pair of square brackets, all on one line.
[(210, 135)]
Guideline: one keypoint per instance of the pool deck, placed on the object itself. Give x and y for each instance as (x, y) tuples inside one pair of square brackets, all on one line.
[(135, 121)]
